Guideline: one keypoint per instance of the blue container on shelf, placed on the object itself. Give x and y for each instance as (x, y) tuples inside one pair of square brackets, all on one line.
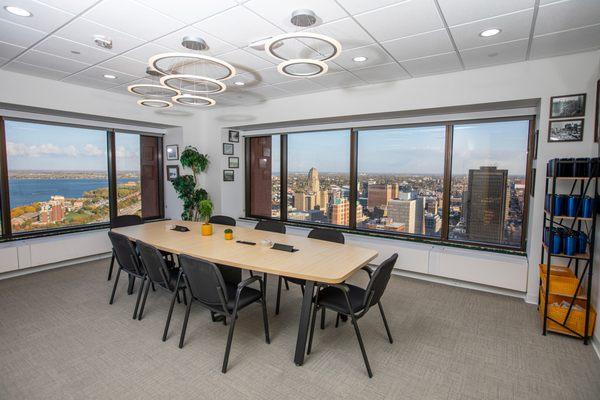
[(582, 242), (572, 206), (586, 207), (560, 204), (570, 244)]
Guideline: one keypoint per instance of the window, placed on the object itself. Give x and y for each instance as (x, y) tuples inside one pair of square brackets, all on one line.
[(454, 182), (400, 180), (487, 195), (129, 192), (318, 178)]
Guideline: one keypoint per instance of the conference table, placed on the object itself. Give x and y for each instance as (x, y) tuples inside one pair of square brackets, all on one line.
[(314, 261)]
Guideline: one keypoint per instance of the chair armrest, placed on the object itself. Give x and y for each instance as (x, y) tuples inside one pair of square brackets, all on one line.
[(367, 270), (248, 281), (343, 287)]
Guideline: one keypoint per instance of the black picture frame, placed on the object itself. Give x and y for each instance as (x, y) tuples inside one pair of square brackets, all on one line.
[(532, 183), (574, 106), (228, 149), (172, 172), (597, 124), (536, 141), (233, 162), (228, 175), (555, 138), (172, 151), (234, 136)]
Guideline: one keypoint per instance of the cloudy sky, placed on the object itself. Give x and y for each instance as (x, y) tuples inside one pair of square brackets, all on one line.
[(54, 147)]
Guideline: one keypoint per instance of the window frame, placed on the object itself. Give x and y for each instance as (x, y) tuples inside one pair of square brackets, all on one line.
[(5, 220), (443, 239)]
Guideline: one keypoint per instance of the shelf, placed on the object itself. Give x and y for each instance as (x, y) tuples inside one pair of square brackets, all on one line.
[(569, 218), (575, 256), (563, 282), (570, 177)]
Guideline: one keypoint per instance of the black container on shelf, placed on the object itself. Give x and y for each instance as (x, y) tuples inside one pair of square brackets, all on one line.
[(550, 167), (594, 167), (566, 167), (582, 167)]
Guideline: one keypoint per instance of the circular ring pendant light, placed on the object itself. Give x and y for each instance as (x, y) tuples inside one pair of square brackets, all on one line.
[(185, 63), (155, 103), (279, 41), (193, 100), (193, 84), (317, 67), (148, 90)]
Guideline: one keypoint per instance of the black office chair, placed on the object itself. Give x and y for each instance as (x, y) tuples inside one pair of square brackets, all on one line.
[(355, 302), (207, 287), (120, 222), (329, 235), (129, 262), (159, 273), (270, 226), (222, 220)]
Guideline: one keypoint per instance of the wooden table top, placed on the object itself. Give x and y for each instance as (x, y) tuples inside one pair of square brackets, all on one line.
[(316, 260)]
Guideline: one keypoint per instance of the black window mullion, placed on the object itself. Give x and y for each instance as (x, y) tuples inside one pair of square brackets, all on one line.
[(247, 174), (353, 195), (283, 178), (4, 187), (112, 173), (447, 183)]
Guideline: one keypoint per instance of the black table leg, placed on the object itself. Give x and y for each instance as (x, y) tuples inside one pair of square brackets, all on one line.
[(304, 323)]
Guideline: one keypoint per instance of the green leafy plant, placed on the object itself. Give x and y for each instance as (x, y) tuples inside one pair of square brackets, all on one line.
[(205, 210), (186, 186), (228, 230)]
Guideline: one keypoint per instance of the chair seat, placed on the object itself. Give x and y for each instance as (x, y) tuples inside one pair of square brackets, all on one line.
[(333, 298), (173, 275), (247, 296)]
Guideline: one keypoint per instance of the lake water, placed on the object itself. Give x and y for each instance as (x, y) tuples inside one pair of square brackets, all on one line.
[(27, 191)]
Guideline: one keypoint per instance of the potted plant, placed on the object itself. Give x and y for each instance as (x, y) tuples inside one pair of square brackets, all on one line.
[(205, 209), (186, 186), (228, 234)]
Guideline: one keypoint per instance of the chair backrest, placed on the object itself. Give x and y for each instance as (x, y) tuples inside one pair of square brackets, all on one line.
[(271, 226), (222, 220), (203, 278), (126, 220), (329, 235), (154, 263), (379, 280), (125, 253)]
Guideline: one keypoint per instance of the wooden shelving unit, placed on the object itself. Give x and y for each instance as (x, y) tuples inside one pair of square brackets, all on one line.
[(565, 290)]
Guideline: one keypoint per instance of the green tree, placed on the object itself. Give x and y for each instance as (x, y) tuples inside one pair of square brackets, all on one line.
[(186, 186)]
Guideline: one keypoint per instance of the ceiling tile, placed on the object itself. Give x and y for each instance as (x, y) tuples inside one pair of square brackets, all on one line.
[(185, 11), (64, 47), (401, 20), (72, 6), (271, 76), (382, 73), (126, 65), (244, 61), (360, 6), (417, 46), (346, 31), (89, 82), (133, 18), (462, 11), (9, 51), (300, 86), (98, 72), (438, 64), (82, 31), (40, 72), (144, 52), (122, 89), (374, 53), (19, 35), (279, 12), (342, 79), (238, 26), (565, 15), (566, 42), (269, 91), (502, 53), (50, 61), (513, 26), (173, 41), (44, 18)]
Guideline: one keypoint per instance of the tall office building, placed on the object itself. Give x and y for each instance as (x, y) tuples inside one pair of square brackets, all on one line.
[(323, 201), (300, 201), (404, 212), (486, 204), (395, 190), (419, 215), (310, 201), (431, 205), (378, 196), (433, 224), (313, 180), (340, 212)]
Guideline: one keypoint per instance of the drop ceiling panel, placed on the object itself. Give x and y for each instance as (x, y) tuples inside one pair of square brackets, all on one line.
[(82, 31), (360, 6), (238, 26), (63, 48), (513, 26), (72, 6), (44, 18), (9, 51), (271, 76), (438, 64), (300, 86), (144, 52), (125, 65), (27, 69), (45, 60), (462, 11), (337, 80), (565, 15), (381, 73), (98, 72), (566, 42), (346, 31), (502, 53), (279, 12), (90, 82), (173, 41), (187, 11), (19, 35), (133, 18), (269, 91), (244, 61), (423, 45), (374, 53), (401, 20)]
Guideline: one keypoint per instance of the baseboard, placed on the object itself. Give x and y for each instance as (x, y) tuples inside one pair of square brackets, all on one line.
[(596, 345), (32, 270)]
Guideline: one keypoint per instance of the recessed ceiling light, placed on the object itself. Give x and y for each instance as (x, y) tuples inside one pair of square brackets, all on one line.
[(490, 32), (109, 76), (18, 11), (360, 59), (239, 83)]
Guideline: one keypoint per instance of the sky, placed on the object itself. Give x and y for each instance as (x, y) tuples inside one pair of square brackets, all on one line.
[(418, 150), (33, 146)]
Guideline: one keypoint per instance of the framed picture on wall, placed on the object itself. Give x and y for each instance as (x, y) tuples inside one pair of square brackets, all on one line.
[(234, 136), (234, 162), (572, 105), (565, 130), (532, 183), (536, 140), (172, 152), (228, 175), (172, 172), (597, 130), (227, 149)]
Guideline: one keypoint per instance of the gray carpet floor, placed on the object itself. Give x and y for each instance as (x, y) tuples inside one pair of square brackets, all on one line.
[(59, 339)]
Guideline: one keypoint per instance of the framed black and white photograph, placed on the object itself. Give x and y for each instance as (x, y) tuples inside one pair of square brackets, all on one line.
[(227, 149), (228, 175), (172, 152), (565, 130), (172, 172), (234, 136), (567, 106), (234, 162)]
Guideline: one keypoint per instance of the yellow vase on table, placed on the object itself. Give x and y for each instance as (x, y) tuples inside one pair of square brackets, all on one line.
[(206, 229)]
